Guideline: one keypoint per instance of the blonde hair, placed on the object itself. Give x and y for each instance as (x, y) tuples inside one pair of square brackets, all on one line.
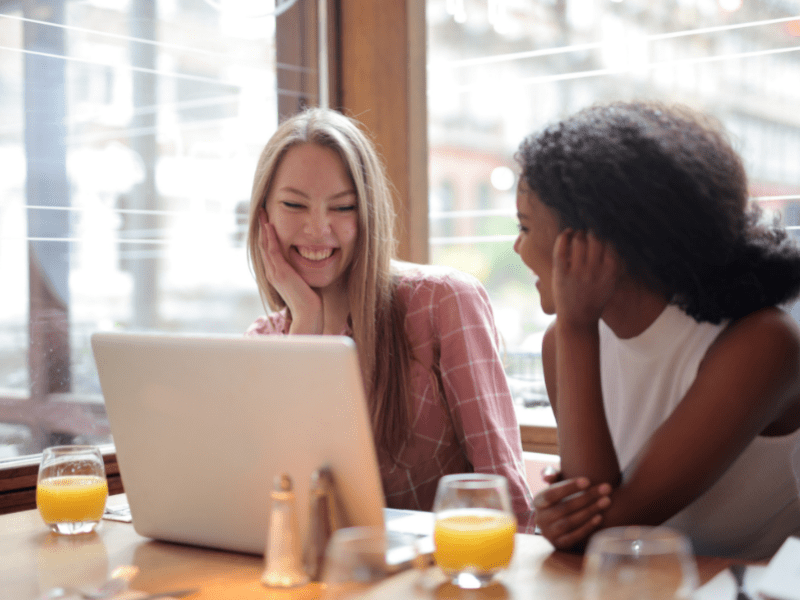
[(376, 313)]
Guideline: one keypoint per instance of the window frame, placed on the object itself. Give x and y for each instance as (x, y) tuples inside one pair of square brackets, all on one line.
[(382, 62)]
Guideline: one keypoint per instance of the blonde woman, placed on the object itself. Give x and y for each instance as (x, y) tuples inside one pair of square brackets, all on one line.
[(321, 245)]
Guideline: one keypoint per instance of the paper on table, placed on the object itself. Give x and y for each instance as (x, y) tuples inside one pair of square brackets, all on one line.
[(781, 579), (120, 512), (723, 585), (412, 521)]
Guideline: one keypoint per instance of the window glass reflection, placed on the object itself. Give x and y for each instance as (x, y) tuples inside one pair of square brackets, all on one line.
[(130, 135), (500, 69)]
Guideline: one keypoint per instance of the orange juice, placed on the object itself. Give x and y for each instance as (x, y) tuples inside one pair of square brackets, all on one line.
[(71, 498), (476, 539)]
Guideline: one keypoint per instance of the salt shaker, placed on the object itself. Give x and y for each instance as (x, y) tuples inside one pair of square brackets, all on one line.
[(284, 567), (322, 521)]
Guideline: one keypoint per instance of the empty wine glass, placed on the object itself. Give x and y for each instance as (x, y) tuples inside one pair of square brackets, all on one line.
[(639, 563), (357, 558)]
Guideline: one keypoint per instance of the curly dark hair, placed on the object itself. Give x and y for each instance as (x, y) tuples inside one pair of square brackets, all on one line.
[(664, 186)]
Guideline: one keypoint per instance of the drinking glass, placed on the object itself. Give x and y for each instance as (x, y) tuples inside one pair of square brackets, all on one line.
[(357, 558), (71, 489), (639, 563), (474, 528)]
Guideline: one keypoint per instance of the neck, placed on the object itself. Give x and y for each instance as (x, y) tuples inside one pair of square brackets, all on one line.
[(632, 309), (336, 309)]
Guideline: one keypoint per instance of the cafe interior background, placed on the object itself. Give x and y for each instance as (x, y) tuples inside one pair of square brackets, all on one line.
[(130, 130)]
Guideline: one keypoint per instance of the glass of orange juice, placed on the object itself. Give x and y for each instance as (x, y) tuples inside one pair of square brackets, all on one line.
[(71, 490), (474, 528)]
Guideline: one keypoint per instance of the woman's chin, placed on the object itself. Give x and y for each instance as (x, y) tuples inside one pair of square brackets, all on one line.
[(548, 307), (319, 284)]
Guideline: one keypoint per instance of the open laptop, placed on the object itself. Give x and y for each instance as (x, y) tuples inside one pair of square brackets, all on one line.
[(202, 426)]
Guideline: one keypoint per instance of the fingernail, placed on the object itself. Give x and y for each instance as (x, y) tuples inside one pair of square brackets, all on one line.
[(582, 482), (604, 502), (596, 519), (604, 489)]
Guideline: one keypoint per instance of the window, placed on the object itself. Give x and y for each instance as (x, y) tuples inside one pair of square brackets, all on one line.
[(130, 136), (501, 69), (497, 70)]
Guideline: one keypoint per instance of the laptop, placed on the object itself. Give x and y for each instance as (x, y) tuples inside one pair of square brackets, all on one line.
[(203, 425)]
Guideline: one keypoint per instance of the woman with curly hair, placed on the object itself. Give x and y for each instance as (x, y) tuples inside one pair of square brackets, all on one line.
[(673, 372), (322, 247)]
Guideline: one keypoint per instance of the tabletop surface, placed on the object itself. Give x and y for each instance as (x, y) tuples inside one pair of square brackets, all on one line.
[(35, 560)]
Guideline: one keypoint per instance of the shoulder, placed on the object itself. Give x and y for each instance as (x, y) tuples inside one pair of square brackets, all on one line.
[(435, 279), (767, 328), (443, 298), (761, 348), (549, 341), (549, 359)]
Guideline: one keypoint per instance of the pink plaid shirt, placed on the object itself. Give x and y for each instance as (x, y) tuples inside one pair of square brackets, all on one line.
[(463, 419)]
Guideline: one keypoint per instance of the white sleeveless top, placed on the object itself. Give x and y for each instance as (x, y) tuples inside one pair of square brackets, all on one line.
[(754, 506)]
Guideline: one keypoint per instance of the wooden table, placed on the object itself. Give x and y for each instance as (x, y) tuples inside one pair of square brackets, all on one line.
[(33, 560)]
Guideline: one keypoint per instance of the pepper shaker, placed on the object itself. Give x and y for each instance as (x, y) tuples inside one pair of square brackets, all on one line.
[(322, 521)]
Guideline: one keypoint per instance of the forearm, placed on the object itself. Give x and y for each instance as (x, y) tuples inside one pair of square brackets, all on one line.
[(307, 318), (584, 439)]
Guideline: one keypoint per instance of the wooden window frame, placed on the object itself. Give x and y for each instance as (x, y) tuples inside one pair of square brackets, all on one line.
[(382, 82)]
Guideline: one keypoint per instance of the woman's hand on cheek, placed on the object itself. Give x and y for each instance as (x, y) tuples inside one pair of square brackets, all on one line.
[(585, 275), (304, 303), (569, 511)]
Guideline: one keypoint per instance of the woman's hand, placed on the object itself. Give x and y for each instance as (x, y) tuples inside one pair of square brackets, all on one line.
[(569, 511), (551, 475), (305, 305), (585, 275)]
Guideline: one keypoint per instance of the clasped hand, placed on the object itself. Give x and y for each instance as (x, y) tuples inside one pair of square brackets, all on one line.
[(569, 511)]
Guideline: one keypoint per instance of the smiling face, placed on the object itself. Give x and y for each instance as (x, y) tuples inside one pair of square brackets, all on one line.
[(313, 206), (538, 230)]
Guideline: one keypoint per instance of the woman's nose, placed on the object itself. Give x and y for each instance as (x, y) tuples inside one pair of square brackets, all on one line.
[(516, 245), (318, 223)]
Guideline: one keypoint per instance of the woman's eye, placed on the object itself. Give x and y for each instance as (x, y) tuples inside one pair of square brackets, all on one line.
[(348, 208), (521, 228), (288, 204)]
